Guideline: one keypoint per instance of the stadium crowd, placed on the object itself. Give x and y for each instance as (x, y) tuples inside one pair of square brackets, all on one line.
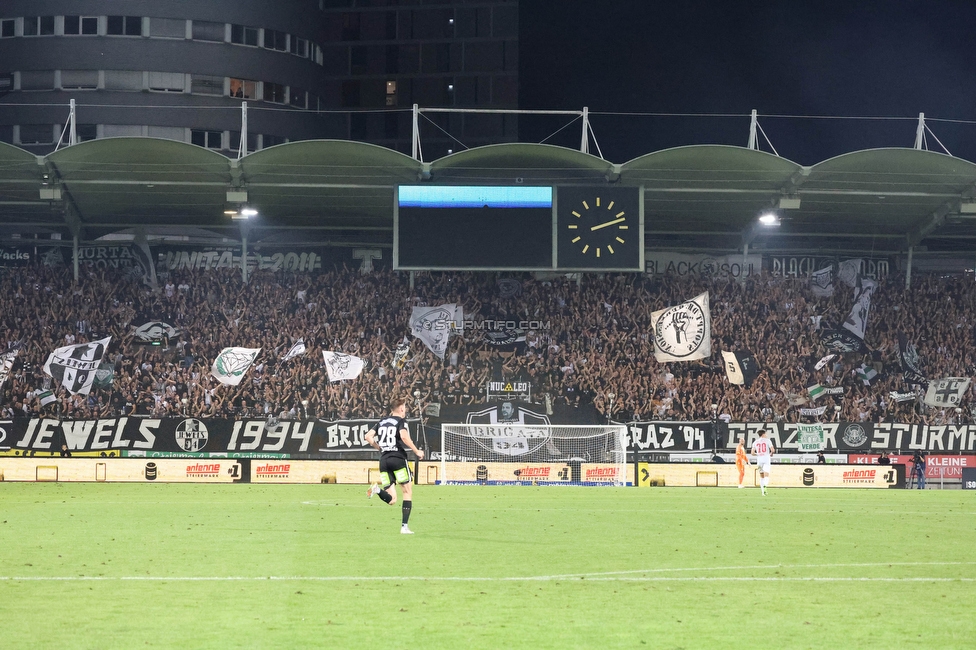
[(593, 341)]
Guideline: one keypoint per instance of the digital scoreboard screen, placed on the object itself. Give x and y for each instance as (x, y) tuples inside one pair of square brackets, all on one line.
[(473, 227)]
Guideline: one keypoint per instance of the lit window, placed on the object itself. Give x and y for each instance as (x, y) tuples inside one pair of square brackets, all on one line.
[(244, 35), (243, 89)]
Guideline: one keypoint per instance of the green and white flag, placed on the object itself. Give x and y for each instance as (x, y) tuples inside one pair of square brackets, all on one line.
[(46, 397), (232, 363), (815, 391), (104, 375), (866, 373), (810, 437)]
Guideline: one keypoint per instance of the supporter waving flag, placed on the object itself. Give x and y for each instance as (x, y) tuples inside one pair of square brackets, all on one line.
[(296, 350), (6, 363), (74, 366), (232, 363), (683, 332), (741, 367), (342, 366)]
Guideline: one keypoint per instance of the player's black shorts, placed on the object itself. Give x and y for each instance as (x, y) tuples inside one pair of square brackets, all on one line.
[(394, 468)]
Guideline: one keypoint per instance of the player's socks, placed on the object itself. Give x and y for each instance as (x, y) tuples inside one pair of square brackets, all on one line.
[(383, 494), (407, 505)]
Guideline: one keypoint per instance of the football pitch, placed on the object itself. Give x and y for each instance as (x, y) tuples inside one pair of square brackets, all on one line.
[(191, 566)]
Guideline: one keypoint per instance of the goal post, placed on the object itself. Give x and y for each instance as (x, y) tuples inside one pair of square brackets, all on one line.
[(533, 454)]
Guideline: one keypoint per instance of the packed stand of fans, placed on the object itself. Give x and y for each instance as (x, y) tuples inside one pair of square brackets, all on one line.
[(591, 340)]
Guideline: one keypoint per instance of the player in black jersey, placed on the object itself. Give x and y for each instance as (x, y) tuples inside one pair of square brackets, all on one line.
[(392, 438)]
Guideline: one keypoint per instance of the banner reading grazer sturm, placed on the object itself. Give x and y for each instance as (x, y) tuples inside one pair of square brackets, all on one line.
[(683, 332), (231, 364), (74, 366)]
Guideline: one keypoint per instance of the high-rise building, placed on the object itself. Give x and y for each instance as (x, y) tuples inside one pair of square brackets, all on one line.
[(385, 55), (305, 68)]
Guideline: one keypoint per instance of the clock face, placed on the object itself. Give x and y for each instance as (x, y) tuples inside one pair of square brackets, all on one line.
[(599, 228)]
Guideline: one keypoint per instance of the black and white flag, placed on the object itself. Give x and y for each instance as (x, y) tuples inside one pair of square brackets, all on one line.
[(849, 272), (822, 282), (296, 350), (817, 412), (841, 340), (741, 367), (683, 332), (433, 325), (824, 361), (400, 355), (946, 392), (901, 397), (74, 366), (6, 363), (911, 365), (857, 321), (342, 366), (154, 332)]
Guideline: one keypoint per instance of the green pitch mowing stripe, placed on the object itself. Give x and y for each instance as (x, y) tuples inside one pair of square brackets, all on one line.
[(108, 565)]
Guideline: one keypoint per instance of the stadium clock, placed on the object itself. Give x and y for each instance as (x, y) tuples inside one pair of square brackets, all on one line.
[(599, 228)]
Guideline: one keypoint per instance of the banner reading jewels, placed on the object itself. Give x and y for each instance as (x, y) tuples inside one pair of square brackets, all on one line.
[(187, 437)]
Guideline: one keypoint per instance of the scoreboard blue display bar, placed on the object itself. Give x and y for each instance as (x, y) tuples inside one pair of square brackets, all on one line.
[(469, 196)]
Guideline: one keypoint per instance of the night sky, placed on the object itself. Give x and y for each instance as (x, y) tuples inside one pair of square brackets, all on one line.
[(891, 59)]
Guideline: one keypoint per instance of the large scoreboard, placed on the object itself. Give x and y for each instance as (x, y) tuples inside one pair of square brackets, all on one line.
[(518, 228)]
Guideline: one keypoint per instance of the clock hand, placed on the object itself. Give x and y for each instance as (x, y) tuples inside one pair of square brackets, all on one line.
[(609, 223)]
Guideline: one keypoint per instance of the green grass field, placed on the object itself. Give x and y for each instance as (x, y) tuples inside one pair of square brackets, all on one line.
[(121, 566)]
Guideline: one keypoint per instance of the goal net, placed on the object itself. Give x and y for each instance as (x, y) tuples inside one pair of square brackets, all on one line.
[(531, 454)]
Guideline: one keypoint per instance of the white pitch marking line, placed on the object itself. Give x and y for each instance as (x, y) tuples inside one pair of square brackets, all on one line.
[(471, 579), (605, 576)]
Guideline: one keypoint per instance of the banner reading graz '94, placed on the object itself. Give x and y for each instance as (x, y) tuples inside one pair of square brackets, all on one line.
[(189, 437)]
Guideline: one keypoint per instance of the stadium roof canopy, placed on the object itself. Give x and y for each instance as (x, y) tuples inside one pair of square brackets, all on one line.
[(703, 198)]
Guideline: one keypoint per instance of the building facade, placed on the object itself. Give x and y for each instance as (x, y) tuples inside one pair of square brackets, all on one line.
[(306, 69)]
